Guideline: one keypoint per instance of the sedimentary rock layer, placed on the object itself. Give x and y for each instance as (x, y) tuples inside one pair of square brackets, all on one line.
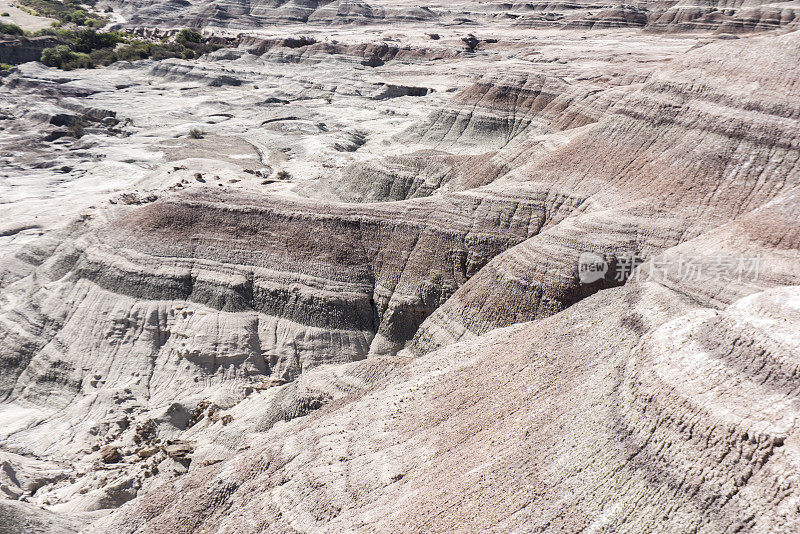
[(671, 16), (334, 280), (624, 429)]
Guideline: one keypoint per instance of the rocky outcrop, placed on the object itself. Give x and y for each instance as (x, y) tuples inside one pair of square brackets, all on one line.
[(307, 49), (623, 16), (391, 268), (14, 51), (21, 517), (725, 17), (493, 112), (416, 175), (669, 17), (253, 14)]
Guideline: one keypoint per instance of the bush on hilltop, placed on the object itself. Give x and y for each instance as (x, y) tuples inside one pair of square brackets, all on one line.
[(10, 29)]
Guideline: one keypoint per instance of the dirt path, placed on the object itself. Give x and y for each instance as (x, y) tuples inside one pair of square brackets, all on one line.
[(24, 20)]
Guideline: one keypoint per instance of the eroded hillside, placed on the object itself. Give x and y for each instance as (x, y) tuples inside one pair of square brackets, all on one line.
[(342, 274)]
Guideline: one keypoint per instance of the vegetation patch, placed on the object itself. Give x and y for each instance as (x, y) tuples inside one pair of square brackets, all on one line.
[(10, 29), (64, 57), (88, 48), (65, 11), (196, 133), (80, 45)]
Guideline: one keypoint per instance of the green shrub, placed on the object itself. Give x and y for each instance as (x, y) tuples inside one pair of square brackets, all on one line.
[(5, 14), (134, 51), (66, 35), (78, 61), (10, 29), (164, 51), (63, 57), (88, 40), (57, 55), (196, 133), (103, 56), (88, 47), (187, 36), (63, 10), (78, 16)]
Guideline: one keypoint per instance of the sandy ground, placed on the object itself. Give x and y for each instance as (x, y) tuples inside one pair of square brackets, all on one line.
[(22, 19)]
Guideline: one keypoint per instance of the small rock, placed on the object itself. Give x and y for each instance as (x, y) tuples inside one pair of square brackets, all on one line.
[(471, 41), (266, 384), (147, 452), (56, 134), (63, 119), (178, 449), (110, 454), (172, 467)]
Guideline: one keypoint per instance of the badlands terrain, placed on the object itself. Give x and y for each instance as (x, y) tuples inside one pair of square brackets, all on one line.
[(477, 266)]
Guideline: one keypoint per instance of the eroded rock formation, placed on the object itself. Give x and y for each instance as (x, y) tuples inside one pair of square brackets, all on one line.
[(353, 299)]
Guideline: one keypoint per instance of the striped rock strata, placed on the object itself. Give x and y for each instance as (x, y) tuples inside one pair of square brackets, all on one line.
[(355, 303)]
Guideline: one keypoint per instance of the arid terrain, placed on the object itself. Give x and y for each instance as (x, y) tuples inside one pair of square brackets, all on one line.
[(477, 266)]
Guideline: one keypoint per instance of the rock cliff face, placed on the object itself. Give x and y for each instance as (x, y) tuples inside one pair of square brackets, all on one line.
[(499, 276), (15, 50)]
